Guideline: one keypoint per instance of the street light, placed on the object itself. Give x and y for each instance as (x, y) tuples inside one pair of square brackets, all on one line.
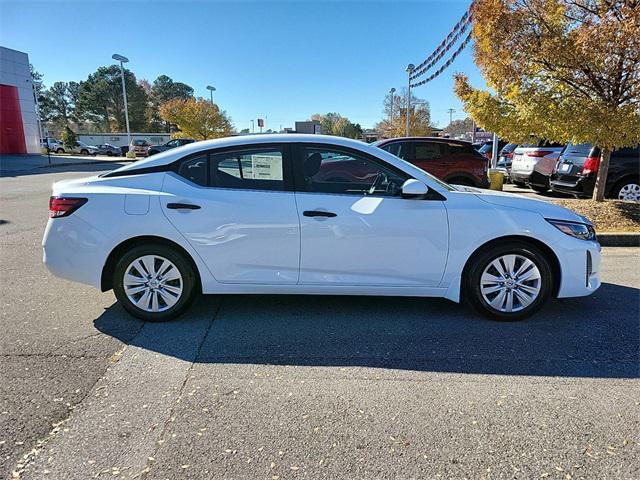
[(211, 90), (123, 59), (392, 91), (410, 68)]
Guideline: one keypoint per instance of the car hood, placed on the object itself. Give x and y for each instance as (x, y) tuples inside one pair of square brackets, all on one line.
[(546, 209)]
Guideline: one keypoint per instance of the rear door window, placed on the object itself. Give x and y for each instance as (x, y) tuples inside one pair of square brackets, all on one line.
[(427, 151)]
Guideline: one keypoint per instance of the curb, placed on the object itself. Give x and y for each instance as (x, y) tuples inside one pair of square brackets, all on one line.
[(610, 239)]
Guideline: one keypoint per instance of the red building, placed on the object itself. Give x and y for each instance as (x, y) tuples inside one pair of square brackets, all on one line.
[(19, 131)]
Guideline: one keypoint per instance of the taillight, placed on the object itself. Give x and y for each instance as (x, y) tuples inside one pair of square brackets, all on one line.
[(591, 165), (507, 155), (64, 206), (539, 153)]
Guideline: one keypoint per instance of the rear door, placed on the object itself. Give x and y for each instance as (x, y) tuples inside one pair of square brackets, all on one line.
[(237, 209), (429, 156)]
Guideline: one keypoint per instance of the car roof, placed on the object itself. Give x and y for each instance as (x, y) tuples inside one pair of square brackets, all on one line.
[(430, 139)]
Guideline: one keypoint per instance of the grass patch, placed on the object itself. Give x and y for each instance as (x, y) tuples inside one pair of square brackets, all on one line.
[(607, 216)]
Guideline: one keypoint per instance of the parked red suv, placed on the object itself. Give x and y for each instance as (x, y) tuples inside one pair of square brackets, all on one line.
[(453, 161)]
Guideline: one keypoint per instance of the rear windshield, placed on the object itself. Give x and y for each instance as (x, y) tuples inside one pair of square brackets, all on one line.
[(578, 149), (509, 147), (486, 148)]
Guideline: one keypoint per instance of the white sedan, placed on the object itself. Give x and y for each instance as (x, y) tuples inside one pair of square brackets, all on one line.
[(310, 214)]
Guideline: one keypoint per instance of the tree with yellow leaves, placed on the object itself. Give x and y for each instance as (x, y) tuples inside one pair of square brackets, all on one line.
[(561, 70), (196, 118)]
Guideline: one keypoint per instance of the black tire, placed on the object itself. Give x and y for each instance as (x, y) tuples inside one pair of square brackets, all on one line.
[(60, 150), (539, 188), (518, 183), (477, 264), (625, 182), (84, 152), (190, 282)]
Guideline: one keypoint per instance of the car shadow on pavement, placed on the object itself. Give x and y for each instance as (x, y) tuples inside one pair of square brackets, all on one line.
[(596, 336)]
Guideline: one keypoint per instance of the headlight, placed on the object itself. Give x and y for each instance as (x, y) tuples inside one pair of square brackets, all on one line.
[(582, 231)]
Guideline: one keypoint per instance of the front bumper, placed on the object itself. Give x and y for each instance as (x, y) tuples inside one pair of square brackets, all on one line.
[(580, 268)]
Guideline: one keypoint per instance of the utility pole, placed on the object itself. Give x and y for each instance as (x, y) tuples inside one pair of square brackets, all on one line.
[(450, 112), (409, 71)]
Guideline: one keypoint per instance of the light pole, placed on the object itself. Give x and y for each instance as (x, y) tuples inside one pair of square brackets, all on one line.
[(211, 90), (392, 91), (409, 70), (122, 60), (253, 126)]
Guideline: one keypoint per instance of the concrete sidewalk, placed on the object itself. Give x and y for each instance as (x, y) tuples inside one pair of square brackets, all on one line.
[(20, 163)]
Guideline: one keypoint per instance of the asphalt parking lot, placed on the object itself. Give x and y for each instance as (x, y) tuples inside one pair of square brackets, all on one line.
[(280, 387)]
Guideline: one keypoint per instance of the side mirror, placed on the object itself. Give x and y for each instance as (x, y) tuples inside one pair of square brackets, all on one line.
[(414, 189)]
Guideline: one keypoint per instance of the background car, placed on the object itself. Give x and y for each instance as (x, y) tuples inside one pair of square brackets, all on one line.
[(487, 148), (526, 156), (109, 150), (504, 160), (140, 147), (84, 149), (577, 169), (453, 161), (255, 214), (55, 146), (176, 142)]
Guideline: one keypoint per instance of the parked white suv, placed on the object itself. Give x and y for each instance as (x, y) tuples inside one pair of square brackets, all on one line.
[(526, 156)]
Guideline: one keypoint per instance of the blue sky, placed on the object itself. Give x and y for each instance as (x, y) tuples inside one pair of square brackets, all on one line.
[(281, 60)]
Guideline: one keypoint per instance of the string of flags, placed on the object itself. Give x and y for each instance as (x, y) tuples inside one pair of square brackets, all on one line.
[(444, 66), (453, 36)]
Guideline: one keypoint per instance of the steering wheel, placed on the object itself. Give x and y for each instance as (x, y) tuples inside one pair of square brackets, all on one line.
[(380, 177)]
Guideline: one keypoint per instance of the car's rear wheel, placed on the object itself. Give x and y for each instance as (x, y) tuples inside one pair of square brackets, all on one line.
[(84, 152), (155, 282), (461, 181), (628, 190), (510, 281), (60, 150)]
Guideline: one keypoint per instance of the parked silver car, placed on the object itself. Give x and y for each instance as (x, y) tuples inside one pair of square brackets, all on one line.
[(84, 149), (525, 159)]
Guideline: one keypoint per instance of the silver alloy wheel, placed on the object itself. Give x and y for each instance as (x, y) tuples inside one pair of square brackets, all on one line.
[(510, 283), (153, 283), (630, 192)]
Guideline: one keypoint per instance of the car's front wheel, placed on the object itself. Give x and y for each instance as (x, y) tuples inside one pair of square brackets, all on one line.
[(155, 282), (60, 150), (510, 281), (84, 152)]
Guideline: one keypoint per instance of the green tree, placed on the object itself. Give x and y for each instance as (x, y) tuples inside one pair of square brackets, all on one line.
[(69, 138), (336, 124), (197, 118), (563, 71), (162, 90), (100, 100), (58, 104)]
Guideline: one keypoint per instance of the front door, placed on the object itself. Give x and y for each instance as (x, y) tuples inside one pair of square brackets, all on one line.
[(237, 210), (356, 229)]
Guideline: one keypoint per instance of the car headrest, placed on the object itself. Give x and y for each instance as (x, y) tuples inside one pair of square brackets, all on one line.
[(312, 164)]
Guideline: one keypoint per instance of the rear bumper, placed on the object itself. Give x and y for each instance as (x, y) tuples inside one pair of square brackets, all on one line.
[(538, 179), (74, 250), (581, 187), (521, 177)]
